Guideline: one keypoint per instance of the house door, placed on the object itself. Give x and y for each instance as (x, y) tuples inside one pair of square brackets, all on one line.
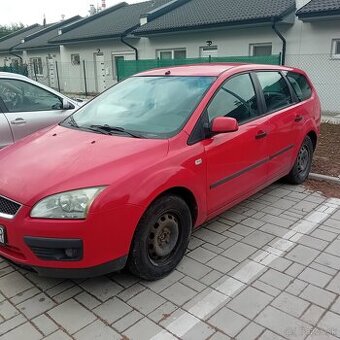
[(100, 72), (52, 76)]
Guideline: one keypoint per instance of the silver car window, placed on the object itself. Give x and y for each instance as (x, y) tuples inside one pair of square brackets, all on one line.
[(20, 96)]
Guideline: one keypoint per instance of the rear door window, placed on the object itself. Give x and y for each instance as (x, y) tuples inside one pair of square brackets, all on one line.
[(275, 90), (300, 85)]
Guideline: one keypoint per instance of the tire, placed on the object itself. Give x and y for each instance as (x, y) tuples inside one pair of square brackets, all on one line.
[(303, 163), (161, 238)]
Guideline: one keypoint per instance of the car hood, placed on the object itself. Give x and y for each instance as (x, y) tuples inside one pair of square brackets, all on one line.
[(62, 159)]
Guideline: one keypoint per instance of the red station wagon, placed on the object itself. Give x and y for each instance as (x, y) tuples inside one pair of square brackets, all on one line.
[(126, 178)]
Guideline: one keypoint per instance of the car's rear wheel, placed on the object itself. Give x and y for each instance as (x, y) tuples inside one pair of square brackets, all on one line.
[(161, 238), (303, 163)]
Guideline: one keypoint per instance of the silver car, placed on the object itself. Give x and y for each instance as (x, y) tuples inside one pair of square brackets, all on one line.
[(27, 106)]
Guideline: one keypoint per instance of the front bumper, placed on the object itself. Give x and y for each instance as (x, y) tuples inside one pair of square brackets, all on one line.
[(100, 244)]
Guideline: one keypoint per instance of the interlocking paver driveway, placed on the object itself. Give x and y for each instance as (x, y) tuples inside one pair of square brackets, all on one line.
[(266, 269)]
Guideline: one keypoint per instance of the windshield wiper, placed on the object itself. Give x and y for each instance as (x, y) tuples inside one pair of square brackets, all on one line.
[(70, 121), (110, 130)]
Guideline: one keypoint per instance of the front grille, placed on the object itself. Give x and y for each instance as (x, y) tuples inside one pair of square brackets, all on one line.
[(8, 208)]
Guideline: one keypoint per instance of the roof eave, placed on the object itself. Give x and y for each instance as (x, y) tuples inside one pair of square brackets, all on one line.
[(86, 39), (320, 15), (268, 20)]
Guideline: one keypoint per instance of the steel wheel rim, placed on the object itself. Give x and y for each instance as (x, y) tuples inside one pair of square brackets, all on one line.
[(303, 160), (163, 238)]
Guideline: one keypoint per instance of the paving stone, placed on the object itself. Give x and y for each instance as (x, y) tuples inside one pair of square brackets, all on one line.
[(218, 226), (290, 304), (87, 300), (235, 217), (318, 296), (247, 271), (7, 310), (58, 335), (275, 230), (215, 249), (97, 330), (234, 325), (219, 336), (313, 315), (201, 331), (330, 322), (334, 285), (329, 260), (194, 242), (150, 329), (233, 236), (102, 288), (207, 235), (211, 277), (258, 239), (269, 335), (229, 286), (124, 279), (282, 222), (324, 235), (315, 277), (283, 324), (178, 294), (193, 268), (67, 294), (250, 302), (201, 255), (323, 269), (130, 292), (227, 243), (334, 248), (146, 301), (80, 316), (263, 287), (193, 284), (296, 287), (241, 230), (60, 288), (13, 284), (12, 323), (36, 305), (127, 321), (239, 252), (276, 279), (309, 241), (302, 254), (45, 324), (159, 285), (44, 283), (222, 264), (162, 312), (295, 269), (112, 310), (251, 332), (320, 334), (336, 306), (25, 331)]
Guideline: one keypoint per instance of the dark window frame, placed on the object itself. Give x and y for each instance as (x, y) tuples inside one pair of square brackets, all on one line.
[(285, 73)]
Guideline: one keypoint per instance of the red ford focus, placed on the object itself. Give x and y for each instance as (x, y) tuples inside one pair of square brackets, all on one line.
[(126, 178)]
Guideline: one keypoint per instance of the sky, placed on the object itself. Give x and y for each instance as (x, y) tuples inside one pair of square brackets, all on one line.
[(32, 11)]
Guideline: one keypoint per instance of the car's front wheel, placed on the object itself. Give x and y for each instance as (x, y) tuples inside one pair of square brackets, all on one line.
[(303, 163), (161, 238)]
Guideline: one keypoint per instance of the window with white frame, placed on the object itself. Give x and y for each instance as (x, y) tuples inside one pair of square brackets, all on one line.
[(336, 48), (175, 53), (259, 50), (36, 65)]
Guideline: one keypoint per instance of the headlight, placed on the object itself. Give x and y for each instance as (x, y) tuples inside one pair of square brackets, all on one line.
[(66, 205)]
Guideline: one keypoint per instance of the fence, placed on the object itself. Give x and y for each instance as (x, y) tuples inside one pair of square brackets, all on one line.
[(127, 68), (19, 69)]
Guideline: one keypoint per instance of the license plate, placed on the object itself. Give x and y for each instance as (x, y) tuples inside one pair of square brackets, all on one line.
[(2, 236)]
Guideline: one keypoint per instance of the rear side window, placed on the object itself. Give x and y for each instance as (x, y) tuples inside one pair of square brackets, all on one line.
[(300, 85), (275, 89)]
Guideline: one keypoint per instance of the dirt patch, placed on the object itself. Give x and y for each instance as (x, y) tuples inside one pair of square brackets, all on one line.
[(327, 156), (326, 188)]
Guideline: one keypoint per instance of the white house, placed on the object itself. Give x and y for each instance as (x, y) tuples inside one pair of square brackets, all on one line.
[(42, 57), (8, 43)]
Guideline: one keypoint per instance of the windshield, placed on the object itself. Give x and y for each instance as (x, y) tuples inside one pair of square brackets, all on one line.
[(149, 107)]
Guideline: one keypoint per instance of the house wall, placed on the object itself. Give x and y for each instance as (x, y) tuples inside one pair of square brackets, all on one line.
[(98, 77)]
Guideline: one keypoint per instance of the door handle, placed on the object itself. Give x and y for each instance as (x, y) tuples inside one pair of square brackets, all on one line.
[(18, 121), (298, 118), (261, 134)]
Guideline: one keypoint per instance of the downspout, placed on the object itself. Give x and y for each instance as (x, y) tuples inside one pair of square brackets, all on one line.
[(129, 45), (284, 42), (15, 55)]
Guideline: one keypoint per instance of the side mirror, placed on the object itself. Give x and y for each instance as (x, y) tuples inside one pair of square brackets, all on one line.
[(223, 125), (66, 104)]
